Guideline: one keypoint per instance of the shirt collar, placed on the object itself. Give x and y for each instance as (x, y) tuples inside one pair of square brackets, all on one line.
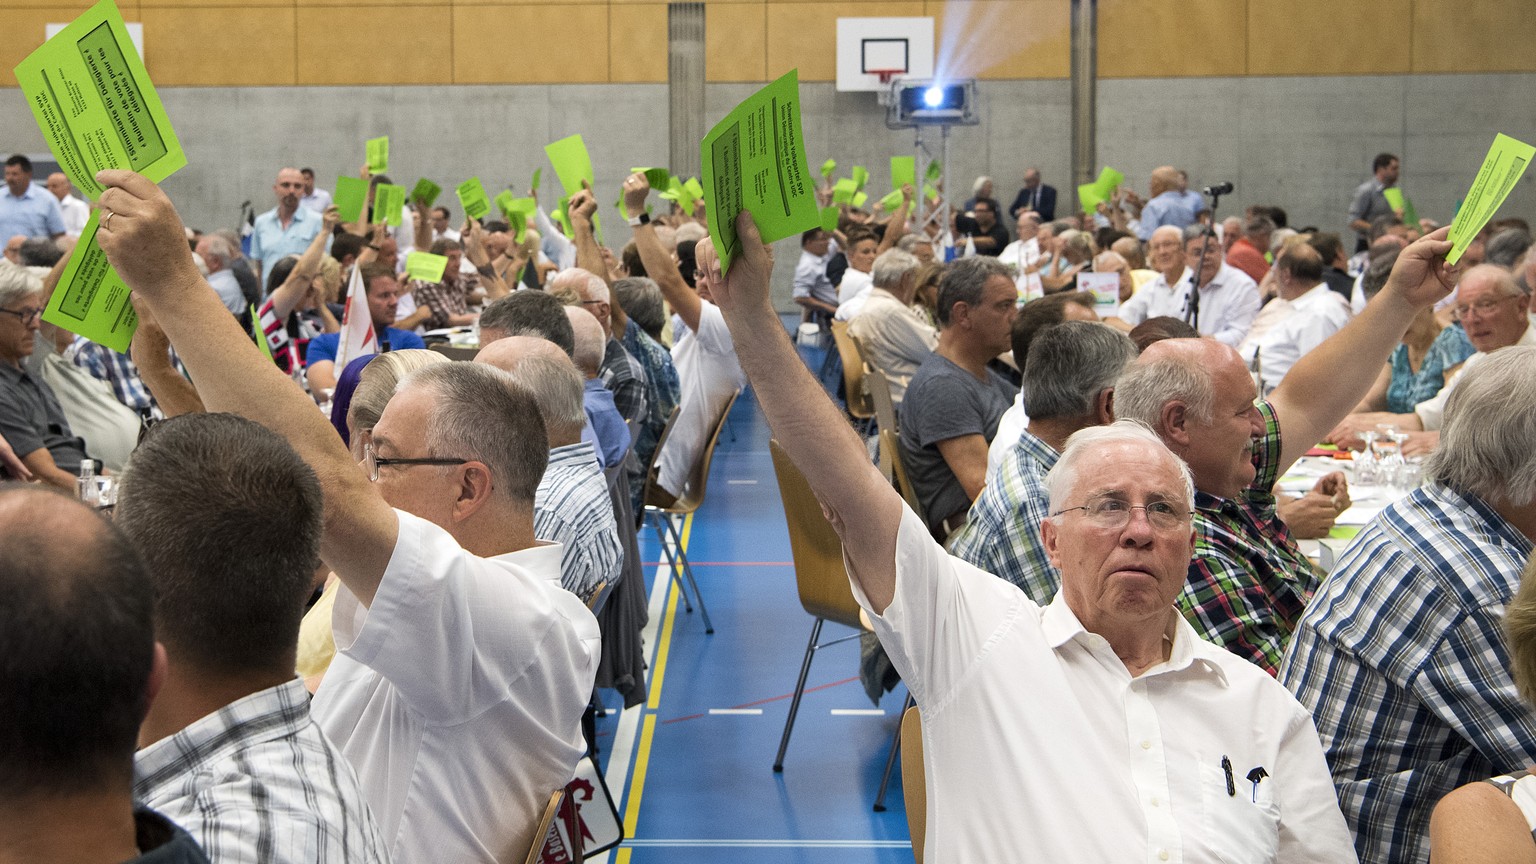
[(572, 454), (542, 560), (265, 715), (1033, 447), (1060, 625)]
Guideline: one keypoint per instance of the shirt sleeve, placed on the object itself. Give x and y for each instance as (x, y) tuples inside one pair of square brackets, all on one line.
[(1230, 609), (322, 347), (947, 411), (55, 217), (713, 334), (1239, 317), (21, 435), (1312, 829), (405, 339), (1361, 202), (1466, 683)]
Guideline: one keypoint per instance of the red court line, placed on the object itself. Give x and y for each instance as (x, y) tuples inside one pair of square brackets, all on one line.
[(728, 563), (766, 701)]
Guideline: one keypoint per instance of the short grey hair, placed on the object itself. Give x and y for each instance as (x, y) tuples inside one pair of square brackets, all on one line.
[(1507, 248), (588, 285), (641, 299), (556, 386), (590, 344), (1197, 232), (1062, 478), (1377, 273), (377, 382), (16, 283), (1490, 422), (981, 181), (911, 241), (964, 281), (218, 247), (891, 267), (1070, 364), (479, 412), (1147, 385)]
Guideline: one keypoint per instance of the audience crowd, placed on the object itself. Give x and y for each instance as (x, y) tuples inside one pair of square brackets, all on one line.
[(1102, 540)]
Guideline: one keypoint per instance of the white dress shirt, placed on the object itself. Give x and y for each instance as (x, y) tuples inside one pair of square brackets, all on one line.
[(76, 213), (1039, 745), (457, 695), (1009, 427), (1313, 317), (317, 200), (1021, 255), (1228, 303), (851, 293), (897, 340), (709, 373)]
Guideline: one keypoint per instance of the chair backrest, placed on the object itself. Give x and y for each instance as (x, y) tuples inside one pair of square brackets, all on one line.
[(914, 783), (547, 821), (853, 372), (661, 441), (692, 495), (890, 442), (462, 353), (818, 553), (879, 388)]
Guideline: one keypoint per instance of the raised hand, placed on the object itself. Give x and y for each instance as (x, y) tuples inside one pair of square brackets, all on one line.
[(143, 237)]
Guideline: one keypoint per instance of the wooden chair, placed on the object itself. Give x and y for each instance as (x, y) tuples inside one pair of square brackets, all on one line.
[(879, 389), (914, 783), (819, 574), (889, 442), (666, 518), (859, 407), (546, 822)]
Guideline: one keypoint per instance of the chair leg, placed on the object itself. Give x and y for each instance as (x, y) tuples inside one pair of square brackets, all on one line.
[(794, 703), (698, 595), (661, 537), (890, 760)]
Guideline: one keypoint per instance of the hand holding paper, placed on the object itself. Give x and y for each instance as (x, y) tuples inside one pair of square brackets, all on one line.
[(636, 187), (144, 240), (1506, 161), (746, 284), (1422, 275)]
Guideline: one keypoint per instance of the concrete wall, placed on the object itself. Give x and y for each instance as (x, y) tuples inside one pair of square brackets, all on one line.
[(1301, 142)]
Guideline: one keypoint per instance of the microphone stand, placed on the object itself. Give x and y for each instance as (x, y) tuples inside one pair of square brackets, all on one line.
[(1192, 309)]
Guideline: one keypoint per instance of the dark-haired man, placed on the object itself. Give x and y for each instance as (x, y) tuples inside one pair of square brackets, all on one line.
[(27, 210)]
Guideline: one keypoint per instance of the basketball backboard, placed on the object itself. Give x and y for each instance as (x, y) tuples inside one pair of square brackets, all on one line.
[(869, 46)]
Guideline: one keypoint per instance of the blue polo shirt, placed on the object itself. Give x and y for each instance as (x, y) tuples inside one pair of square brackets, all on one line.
[(34, 214), (323, 347), (270, 242)]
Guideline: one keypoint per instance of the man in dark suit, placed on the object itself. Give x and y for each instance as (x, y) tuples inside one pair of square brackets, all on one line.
[(1035, 196)]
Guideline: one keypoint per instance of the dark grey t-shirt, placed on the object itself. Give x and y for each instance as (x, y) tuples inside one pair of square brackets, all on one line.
[(944, 401), (31, 419)]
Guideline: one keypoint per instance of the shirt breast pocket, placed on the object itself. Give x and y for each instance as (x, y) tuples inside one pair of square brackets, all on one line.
[(1242, 826)]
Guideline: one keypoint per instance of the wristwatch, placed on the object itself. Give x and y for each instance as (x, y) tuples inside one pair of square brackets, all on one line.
[(642, 219)]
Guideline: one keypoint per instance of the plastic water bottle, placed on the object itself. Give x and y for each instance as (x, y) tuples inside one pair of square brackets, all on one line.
[(85, 485)]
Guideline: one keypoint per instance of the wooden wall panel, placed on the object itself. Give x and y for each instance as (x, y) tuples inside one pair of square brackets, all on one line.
[(637, 43), (219, 47), (804, 35), (1001, 38), (531, 44), (374, 45), (1474, 36), (736, 41), (1170, 38), (1327, 37)]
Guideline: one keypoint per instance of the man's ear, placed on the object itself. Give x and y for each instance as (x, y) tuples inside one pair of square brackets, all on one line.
[(1173, 423), (475, 488), (1104, 407), (1048, 539), (159, 670)]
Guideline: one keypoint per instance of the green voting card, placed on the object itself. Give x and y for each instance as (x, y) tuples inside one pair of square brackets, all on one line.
[(351, 195), (1400, 203), (378, 154), (932, 174), (891, 201), (261, 335), (860, 176), (903, 172), (538, 175), (519, 224), (842, 191), (90, 299), (504, 202), (388, 203), (1090, 197), (1507, 159), (95, 104), (859, 198), (525, 206), (828, 167), (1109, 180), (425, 266), (571, 162), (829, 217), (426, 192), (473, 199), (930, 192)]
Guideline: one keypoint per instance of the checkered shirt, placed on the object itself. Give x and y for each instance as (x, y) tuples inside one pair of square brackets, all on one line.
[(1002, 535), (118, 371), (444, 299), (258, 782), (1248, 582), (1402, 660), (625, 378), (665, 393)]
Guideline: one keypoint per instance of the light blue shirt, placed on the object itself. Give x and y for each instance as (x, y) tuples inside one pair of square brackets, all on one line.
[(1169, 208), (34, 214), (270, 242)]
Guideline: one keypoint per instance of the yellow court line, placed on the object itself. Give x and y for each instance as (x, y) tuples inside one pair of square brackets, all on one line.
[(623, 856), (637, 780), (664, 648)]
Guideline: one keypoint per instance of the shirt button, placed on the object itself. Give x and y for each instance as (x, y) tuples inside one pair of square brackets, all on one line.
[(1154, 802), (1162, 854), (1146, 745)]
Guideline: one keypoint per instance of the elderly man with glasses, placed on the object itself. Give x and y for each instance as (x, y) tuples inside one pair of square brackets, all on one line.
[(1098, 727), (30, 416)]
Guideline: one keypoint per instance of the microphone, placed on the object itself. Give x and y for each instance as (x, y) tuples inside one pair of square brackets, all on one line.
[(1218, 189)]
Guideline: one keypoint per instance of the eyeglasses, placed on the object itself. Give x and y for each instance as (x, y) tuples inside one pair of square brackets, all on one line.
[(373, 461), (27, 316), (1481, 307), (1114, 514)]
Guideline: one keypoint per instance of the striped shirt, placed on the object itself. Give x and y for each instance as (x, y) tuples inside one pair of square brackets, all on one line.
[(1248, 582), (257, 781), (1402, 660), (572, 507), (1002, 535)]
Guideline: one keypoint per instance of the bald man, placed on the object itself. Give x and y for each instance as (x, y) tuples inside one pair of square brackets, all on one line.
[(286, 229), (1166, 205), (74, 211)]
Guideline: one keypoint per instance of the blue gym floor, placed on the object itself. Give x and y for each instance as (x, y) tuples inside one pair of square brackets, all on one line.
[(694, 784)]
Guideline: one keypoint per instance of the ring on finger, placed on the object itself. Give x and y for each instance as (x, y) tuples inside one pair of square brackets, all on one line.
[(106, 221)]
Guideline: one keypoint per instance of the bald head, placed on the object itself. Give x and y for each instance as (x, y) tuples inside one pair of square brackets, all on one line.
[(592, 291), (505, 354), (1165, 178), (589, 341), (1129, 248), (546, 372)]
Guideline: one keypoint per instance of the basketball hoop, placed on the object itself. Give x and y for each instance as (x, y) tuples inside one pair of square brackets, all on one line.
[(886, 76)]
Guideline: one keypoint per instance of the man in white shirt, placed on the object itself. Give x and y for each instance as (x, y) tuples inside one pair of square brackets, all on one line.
[(1023, 255), (813, 291), (1315, 312), (1229, 300), (216, 254), (313, 198), (463, 666), (75, 212), (895, 339), (1126, 736)]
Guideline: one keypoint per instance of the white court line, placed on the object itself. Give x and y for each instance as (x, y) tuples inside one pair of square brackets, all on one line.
[(858, 712), (741, 482), (744, 711)]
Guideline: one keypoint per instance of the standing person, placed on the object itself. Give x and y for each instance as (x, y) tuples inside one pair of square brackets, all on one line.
[(1035, 197), (25, 209), (1370, 200), (285, 229), (75, 212), (314, 198)]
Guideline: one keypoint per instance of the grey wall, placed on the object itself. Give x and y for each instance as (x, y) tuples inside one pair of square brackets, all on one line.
[(1303, 143)]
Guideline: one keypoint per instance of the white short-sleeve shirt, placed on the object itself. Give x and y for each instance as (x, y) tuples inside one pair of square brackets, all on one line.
[(709, 374), (1040, 746), (457, 695)]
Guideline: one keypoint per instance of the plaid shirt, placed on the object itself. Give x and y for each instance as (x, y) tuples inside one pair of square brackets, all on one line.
[(665, 393), (1248, 582), (118, 371), (625, 378), (256, 781), (1002, 535), (444, 298), (1402, 660)]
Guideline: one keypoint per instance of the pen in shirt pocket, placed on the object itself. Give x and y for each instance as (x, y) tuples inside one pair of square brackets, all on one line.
[(1226, 768)]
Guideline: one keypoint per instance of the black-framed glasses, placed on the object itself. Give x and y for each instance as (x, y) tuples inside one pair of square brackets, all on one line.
[(373, 461), (27, 316), (1114, 514)]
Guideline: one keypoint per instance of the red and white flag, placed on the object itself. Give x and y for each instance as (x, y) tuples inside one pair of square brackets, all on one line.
[(357, 337)]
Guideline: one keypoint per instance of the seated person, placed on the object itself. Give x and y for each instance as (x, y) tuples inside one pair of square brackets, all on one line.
[(448, 300), (610, 433), (76, 622), (1033, 318), (228, 749), (813, 291), (894, 338), (30, 416), (1429, 355), (955, 401), (643, 313), (1314, 313), (383, 292), (571, 506), (297, 308), (89, 404), (527, 313), (853, 288), (1406, 719), (621, 373)]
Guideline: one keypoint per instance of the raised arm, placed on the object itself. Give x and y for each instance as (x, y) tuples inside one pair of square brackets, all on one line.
[(1331, 379), (897, 226), (658, 264), (146, 245), (861, 505), (589, 256), (473, 236), (150, 351), (293, 289)]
